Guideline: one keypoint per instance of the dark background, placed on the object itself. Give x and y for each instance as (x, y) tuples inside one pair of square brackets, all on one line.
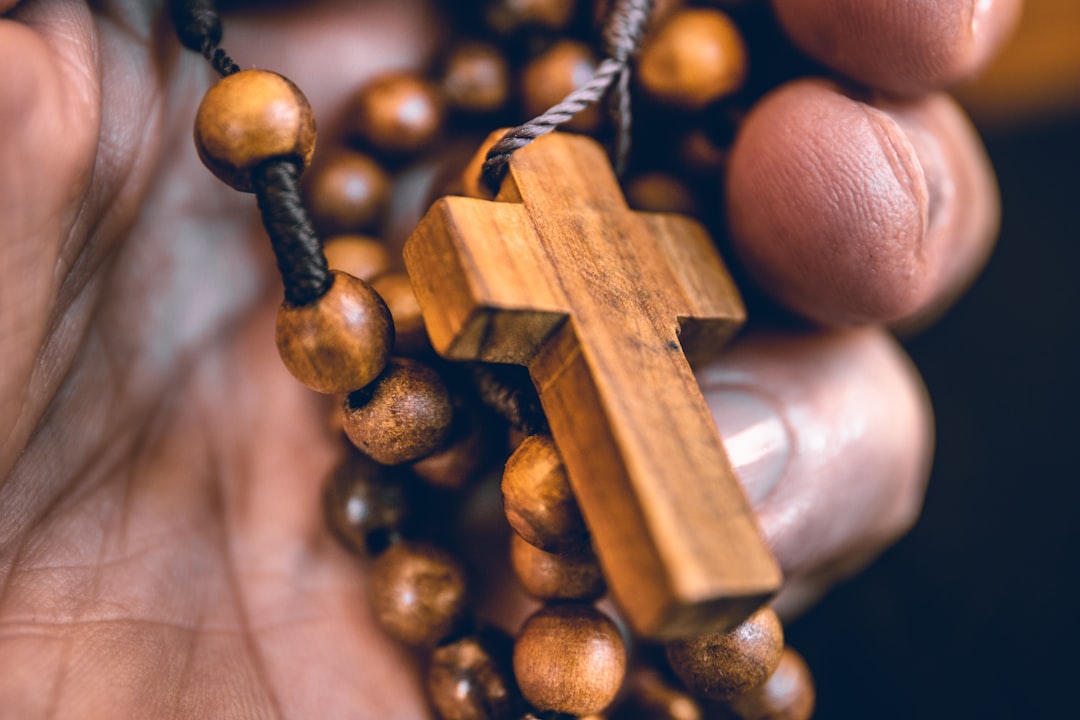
[(973, 615)]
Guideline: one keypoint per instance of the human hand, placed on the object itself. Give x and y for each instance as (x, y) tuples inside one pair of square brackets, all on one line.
[(162, 549)]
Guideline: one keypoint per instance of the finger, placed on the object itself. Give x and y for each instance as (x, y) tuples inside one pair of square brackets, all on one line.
[(902, 47), (832, 438), (851, 213)]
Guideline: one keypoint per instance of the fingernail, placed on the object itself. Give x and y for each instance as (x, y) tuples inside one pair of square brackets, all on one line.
[(757, 439)]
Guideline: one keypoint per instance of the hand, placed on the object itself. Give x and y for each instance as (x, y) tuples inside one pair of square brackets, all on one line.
[(162, 552)]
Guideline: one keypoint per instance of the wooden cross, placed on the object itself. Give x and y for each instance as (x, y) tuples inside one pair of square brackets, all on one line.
[(600, 303)]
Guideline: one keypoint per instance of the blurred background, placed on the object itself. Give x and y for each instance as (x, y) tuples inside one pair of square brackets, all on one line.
[(974, 614)]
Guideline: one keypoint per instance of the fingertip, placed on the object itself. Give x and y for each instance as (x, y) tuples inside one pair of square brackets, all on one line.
[(904, 48)]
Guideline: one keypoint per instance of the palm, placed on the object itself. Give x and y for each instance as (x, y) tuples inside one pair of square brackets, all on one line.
[(169, 557)]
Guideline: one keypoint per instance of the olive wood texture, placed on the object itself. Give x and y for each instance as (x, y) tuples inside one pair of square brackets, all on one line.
[(561, 276)]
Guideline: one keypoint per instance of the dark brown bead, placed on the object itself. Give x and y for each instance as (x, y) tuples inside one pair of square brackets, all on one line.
[(554, 74), (546, 576), (537, 498), (787, 695), (648, 695), (473, 679), (340, 342), (507, 16), (396, 113), (364, 508), (476, 79), (570, 659), (697, 56), (456, 465), (417, 593), (249, 118), (360, 256), (659, 192), (347, 193), (402, 417), (410, 335), (700, 154), (720, 666)]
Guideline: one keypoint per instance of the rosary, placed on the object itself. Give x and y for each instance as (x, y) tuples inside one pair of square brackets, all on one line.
[(619, 480)]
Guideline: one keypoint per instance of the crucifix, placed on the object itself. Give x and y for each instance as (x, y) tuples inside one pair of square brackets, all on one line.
[(607, 308)]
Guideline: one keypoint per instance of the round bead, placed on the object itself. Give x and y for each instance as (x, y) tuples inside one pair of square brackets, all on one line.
[(396, 113), (402, 417), (569, 659), (476, 79), (453, 467), (547, 576), (340, 342), (417, 593), (694, 58), (699, 153), (360, 256), (472, 678), (347, 193), (720, 666), (554, 74), (410, 334), (787, 695), (364, 508), (650, 696), (249, 118), (659, 192), (508, 16), (537, 498)]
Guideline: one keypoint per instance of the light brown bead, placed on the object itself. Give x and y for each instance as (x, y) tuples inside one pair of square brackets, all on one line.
[(720, 666), (396, 112), (417, 593), (508, 16), (340, 342), (570, 659), (402, 417), (648, 695), (554, 74), (476, 79), (364, 507), (248, 118), (347, 193), (660, 192), (472, 678), (410, 337), (456, 465), (360, 256), (694, 58), (537, 498), (546, 576), (787, 695)]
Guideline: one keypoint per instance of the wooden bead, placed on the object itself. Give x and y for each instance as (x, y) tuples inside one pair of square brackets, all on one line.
[(360, 256), (569, 659), (364, 508), (699, 153), (476, 79), (648, 695), (508, 16), (417, 593), (537, 498), (722, 665), (402, 417), (554, 74), (547, 576), (348, 193), (787, 695), (455, 466), (472, 678), (660, 192), (694, 58), (396, 113), (340, 342), (248, 118), (410, 336)]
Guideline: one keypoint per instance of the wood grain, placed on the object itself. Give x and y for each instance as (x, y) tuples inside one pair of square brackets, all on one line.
[(604, 306)]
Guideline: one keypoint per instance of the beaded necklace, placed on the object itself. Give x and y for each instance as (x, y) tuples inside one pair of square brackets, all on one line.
[(351, 326)]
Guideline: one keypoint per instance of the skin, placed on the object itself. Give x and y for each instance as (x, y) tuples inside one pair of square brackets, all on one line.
[(162, 552)]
